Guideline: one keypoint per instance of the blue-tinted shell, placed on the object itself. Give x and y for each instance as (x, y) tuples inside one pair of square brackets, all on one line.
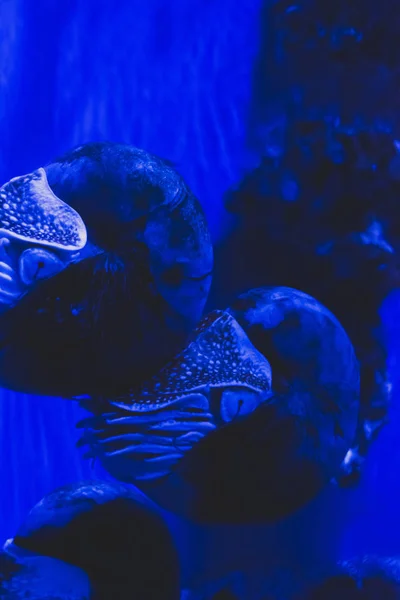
[(310, 355), (112, 533)]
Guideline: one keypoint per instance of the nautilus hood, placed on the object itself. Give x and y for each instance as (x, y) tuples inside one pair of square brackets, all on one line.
[(31, 213)]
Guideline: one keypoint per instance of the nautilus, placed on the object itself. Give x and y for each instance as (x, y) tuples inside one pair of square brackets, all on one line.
[(248, 422), (105, 268)]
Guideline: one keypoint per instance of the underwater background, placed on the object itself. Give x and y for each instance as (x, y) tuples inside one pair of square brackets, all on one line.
[(198, 82)]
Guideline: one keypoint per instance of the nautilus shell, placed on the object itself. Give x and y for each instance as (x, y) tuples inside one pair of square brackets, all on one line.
[(105, 268), (111, 533), (248, 422)]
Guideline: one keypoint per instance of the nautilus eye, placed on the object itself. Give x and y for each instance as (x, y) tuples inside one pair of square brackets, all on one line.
[(237, 403), (36, 264)]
